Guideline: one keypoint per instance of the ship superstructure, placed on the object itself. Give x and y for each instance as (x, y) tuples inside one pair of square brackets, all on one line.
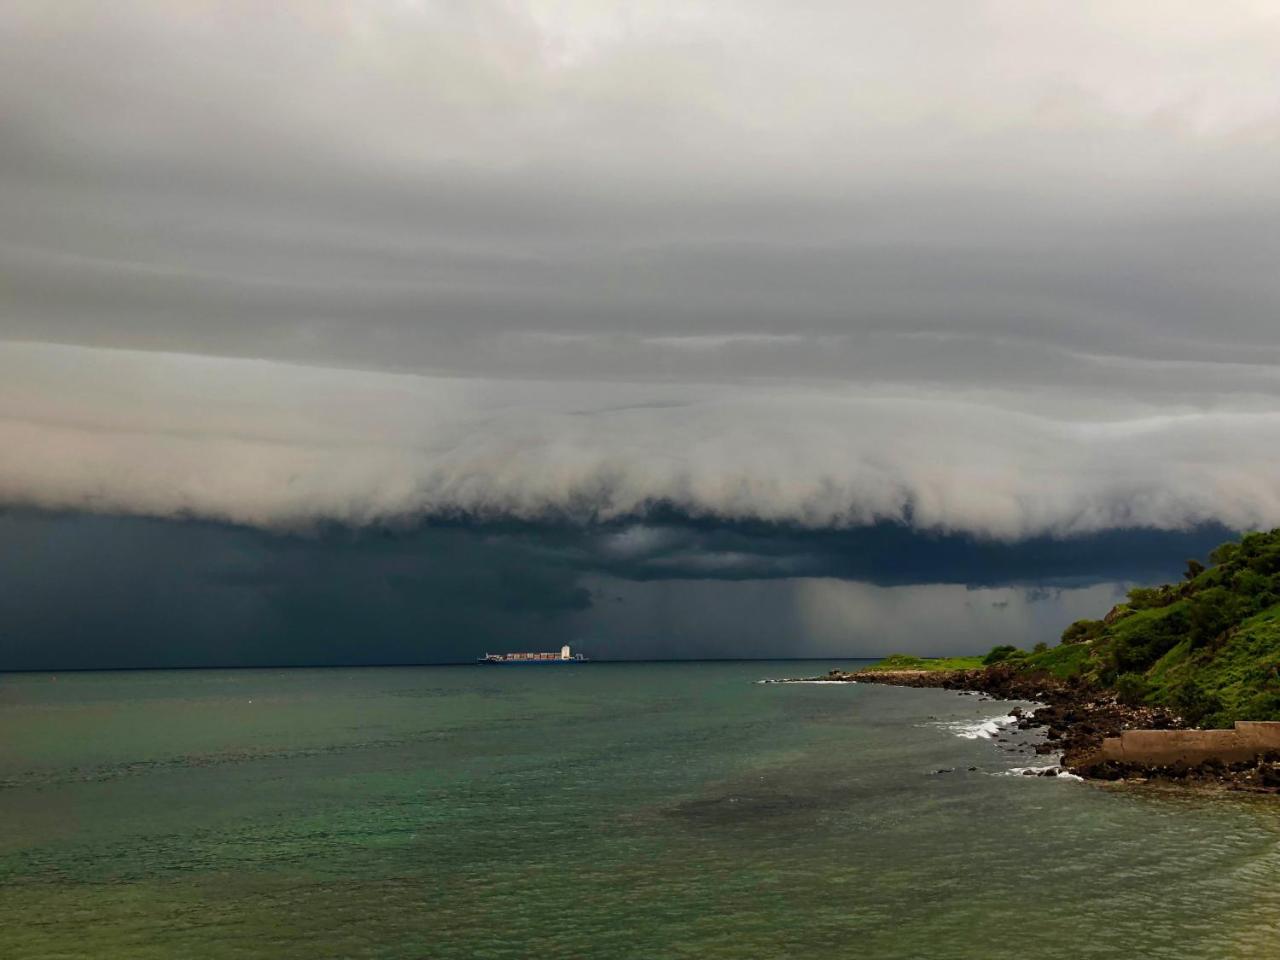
[(564, 656)]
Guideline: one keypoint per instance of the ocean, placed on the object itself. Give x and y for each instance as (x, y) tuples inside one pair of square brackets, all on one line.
[(600, 810)]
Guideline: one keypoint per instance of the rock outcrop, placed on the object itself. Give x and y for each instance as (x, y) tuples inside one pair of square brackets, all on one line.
[(1101, 738)]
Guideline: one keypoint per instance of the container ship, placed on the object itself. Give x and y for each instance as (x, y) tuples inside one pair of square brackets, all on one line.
[(564, 656)]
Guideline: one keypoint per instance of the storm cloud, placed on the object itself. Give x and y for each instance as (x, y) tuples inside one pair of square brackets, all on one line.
[(285, 446), (713, 286), (89, 591), (1012, 191)]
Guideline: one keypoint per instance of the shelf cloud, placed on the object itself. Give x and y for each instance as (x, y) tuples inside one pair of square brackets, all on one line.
[(328, 321), (280, 446)]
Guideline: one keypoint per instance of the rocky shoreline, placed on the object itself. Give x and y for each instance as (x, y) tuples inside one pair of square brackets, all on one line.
[(1076, 718)]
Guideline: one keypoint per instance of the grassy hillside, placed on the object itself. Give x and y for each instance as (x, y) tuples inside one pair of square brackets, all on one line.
[(1209, 647)]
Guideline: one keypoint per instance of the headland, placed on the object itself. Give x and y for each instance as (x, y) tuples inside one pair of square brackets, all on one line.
[(1180, 683)]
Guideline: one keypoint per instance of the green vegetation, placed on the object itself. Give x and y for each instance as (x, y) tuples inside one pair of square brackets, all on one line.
[(1062, 662), (1003, 653), (1208, 647), (1082, 630), (902, 661)]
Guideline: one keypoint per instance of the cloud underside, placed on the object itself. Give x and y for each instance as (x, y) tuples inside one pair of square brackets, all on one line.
[(1001, 268), (966, 193), (79, 590), (278, 446)]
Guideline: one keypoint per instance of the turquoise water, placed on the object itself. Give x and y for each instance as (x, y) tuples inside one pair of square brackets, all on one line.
[(601, 810)]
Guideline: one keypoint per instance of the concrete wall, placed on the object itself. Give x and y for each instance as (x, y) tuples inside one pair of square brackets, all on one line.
[(1262, 735), (1162, 748)]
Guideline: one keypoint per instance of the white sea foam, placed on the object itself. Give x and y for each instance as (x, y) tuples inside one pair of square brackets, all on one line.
[(1054, 768), (838, 683), (989, 728), (980, 729)]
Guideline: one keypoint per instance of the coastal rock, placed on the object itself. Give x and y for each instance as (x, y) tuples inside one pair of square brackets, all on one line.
[(1077, 718)]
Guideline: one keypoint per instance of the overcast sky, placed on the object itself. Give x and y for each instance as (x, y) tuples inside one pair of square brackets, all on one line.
[(1003, 270)]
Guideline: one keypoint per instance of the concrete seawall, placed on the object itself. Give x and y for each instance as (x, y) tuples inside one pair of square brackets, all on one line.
[(1166, 748)]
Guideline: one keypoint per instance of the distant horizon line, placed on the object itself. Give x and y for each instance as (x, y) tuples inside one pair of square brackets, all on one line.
[(440, 663)]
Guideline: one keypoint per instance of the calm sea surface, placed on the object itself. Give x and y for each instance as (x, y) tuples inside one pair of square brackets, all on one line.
[(601, 810)]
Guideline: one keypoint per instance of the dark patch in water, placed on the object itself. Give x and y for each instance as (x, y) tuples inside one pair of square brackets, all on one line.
[(732, 807)]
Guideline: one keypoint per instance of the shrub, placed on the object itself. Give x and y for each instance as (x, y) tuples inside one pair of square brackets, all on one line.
[(1250, 582), (1214, 611), (1040, 647), (1260, 552), (1001, 653), (1263, 706), (1082, 630), (1258, 587), (1147, 640), (1224, 554), (1194, 702), (1148, 598), (1131, 688), (1194, 569)]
